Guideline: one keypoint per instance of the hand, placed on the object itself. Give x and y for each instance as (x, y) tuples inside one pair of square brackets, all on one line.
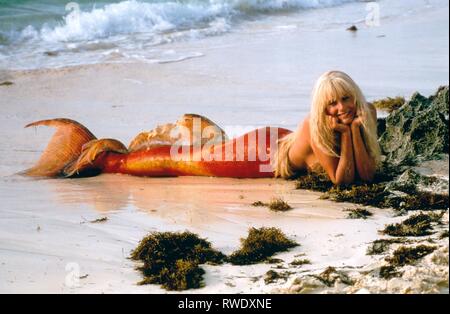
[(338, 127), (356, 123)]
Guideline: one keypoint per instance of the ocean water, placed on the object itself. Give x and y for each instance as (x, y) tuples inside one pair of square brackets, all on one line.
[(54, 33)]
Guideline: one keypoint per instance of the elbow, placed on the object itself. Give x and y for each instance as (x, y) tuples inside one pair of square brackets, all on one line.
[(368, 175), (367, 172), (367, 178), (341, 180)]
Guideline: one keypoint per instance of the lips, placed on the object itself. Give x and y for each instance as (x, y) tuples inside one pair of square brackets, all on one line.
[(344, 114)]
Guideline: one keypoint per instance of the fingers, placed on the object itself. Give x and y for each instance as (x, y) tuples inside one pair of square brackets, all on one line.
[(335, 123), (332, 121), (337, 126), (357, 121)]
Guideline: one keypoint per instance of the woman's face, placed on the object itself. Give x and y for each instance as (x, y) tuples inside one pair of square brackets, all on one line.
[(344, 109)]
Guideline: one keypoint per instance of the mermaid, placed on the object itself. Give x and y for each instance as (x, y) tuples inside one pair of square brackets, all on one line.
[(338, 137)]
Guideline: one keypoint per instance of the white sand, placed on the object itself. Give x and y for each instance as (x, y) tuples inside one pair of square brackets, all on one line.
[(245, 79), (213, 208)]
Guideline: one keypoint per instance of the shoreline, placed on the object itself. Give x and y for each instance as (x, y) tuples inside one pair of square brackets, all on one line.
[(243, 80)]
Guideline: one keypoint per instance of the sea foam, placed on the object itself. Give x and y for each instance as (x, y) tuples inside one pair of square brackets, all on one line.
[(129, 17)]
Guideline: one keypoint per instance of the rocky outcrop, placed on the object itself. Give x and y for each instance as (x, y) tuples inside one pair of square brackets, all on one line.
[(417, 131), (412, 179)]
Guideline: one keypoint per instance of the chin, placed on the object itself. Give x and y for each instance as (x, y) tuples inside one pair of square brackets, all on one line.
[(347, 121)]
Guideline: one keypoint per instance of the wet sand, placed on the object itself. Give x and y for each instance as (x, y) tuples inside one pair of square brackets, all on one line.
[(240, 82), (53, 230)]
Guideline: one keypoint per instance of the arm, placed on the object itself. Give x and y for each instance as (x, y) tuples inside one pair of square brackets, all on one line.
[(341, 170), (365, 164)]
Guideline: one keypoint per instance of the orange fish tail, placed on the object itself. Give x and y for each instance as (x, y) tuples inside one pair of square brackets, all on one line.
[(72, 151), (64, 147)]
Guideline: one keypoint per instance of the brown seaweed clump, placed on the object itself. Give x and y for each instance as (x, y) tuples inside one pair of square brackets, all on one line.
[(320, 182), (380, 193), (415, 226), (272, 276), (6, 83), (276, 204), (409, 255), (366, 194), (388, 272), (389, 104), (314, 182), (330, 276), (259, 204), (279, 205), (300, 262), (443, 235), (358, 213), (172, 259), (401, 257), (376, 195), (381, 246), (102, 219), (259, 245), (418, 200), (272, 260)]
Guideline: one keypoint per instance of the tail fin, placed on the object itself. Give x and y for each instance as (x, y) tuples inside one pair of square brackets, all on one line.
[(64, 147), (84, 165)]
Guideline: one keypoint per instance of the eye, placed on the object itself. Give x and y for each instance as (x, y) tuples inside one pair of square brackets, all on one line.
[(332, 103), (345, 98)]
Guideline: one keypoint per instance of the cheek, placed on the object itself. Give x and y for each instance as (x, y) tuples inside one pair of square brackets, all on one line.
[(352, 106), (330, 112)]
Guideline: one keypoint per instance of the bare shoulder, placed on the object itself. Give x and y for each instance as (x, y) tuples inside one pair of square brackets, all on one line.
[(305, 123), (303, 128), (301, 147)]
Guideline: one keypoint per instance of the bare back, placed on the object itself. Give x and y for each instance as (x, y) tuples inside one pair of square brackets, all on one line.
[(301, 154)]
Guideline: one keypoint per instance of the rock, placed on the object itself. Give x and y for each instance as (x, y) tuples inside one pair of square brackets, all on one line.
[(381, 126), (412, 179), (51, 53), (417, 131)]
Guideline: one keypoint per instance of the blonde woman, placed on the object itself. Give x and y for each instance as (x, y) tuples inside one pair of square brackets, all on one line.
[(339, 135)]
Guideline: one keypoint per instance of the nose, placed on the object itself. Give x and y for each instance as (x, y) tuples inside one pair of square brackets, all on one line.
[(340, 106)]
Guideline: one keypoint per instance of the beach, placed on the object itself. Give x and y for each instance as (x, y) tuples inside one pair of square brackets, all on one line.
[(259, 73)]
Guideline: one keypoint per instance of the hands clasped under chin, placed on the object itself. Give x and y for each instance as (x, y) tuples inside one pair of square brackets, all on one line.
[(356, 123), (339, 127)]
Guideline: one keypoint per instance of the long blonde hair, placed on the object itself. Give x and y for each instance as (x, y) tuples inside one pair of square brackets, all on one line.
[(330, 86), (280, 162)]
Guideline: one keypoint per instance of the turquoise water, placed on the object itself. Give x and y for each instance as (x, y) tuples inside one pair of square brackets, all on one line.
[(17, 15), (125, 17), (54, 33)]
